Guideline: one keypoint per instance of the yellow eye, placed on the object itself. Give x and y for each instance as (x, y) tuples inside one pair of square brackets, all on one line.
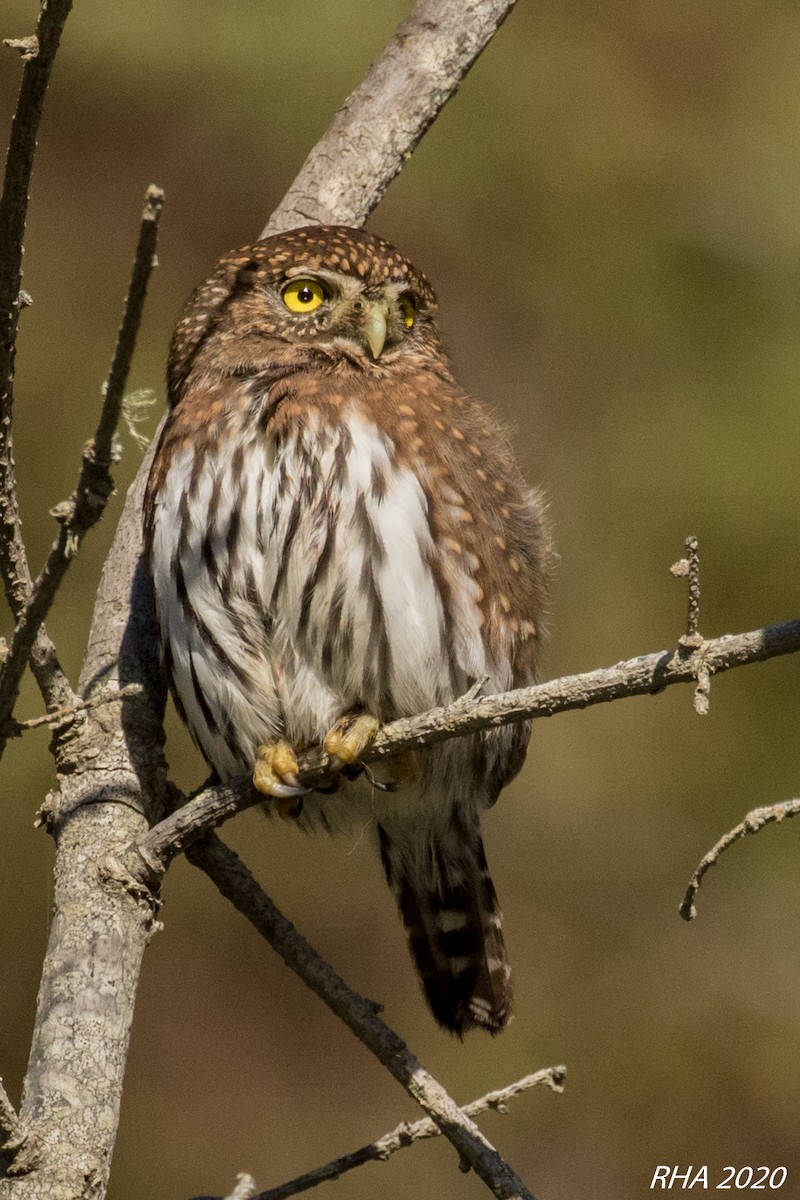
[(303, 295), (408, 310)]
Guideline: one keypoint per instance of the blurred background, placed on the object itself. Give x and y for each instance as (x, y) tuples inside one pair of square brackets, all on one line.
[(609, 211)]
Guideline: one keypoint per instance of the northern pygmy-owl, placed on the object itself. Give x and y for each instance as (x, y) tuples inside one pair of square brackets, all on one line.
[(334, 528)]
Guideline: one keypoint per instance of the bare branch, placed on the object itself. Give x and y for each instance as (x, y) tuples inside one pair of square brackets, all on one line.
[(689, 568), (229, 874), (145, 260), (38, 53), (381, 122), (57, 718), (85, 507), (406, 1134), (38, 57), (211, 806), (754, 822)]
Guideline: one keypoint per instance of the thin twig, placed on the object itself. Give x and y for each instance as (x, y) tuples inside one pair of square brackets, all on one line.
[(689, 568), (651, 673), (87, 503), (406, 1134), (234, 881), (39, 52), (103, 454), (59, 717), (755, 821), (692, 640), (38, 55), (380, 123)]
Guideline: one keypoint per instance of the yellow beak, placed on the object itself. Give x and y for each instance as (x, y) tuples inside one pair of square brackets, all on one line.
[(375, 326)]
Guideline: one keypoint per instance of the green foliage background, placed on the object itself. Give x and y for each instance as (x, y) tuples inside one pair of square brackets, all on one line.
[(609, 212)]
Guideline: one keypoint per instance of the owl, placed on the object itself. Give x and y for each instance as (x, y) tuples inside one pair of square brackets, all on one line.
[(338, 535)]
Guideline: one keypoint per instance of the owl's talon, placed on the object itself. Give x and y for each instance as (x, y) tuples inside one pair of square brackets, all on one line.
[(275, 775), (290, 808), (380, 785), (347, 740)]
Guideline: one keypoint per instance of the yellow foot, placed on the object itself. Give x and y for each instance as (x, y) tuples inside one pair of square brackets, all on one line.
[(348, 739), (275, 774)]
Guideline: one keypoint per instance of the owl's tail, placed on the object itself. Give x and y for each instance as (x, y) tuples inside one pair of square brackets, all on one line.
[(454, 927)]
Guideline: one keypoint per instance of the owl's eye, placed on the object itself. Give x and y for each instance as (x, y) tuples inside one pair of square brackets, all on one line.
[(303, 295), (408, 309)]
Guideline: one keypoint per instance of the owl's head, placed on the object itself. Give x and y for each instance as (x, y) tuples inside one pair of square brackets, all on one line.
[(341, 290)]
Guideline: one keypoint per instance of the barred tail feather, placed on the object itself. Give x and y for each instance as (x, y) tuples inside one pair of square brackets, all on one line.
[(454, 930)]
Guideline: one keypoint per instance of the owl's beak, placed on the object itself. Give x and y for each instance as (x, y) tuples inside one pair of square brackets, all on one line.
[(375, 326)]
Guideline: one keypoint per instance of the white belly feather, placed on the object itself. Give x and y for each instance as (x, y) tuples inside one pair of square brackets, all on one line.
[(312, 595)]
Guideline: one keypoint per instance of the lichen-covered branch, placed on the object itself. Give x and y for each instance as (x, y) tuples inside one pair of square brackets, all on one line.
[(13, 1138), (111, 781), (381, 122), (234, 881), (407, 1133), (647, 674)]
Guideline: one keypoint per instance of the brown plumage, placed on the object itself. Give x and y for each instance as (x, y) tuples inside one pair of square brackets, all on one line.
[(334, 525)]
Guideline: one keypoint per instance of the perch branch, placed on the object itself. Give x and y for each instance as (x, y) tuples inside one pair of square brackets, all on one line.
[(234, 881), (406, 1134), (87, 503), (381, 122), (752, 823), (650, 673)]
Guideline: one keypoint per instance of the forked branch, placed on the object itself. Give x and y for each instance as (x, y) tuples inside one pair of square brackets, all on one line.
[(234, 881), (406, 1134)]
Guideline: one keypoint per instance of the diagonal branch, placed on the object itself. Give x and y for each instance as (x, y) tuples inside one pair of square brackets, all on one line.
[(234, 881), (381, 122), (95, 485), (649, 674), (407, 1134)]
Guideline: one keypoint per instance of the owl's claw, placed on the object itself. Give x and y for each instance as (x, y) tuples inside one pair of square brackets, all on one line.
[(347, 740), (275, 775)]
